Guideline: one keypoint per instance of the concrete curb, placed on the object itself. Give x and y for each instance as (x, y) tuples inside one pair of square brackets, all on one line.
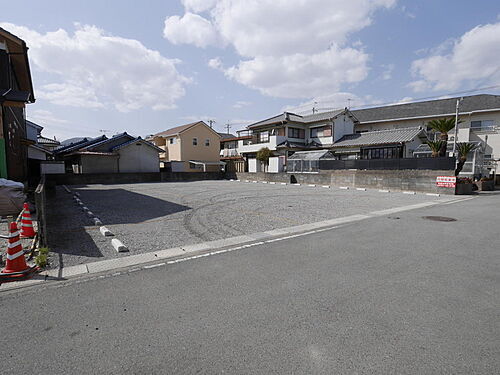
[(246, 241), (118, 245)]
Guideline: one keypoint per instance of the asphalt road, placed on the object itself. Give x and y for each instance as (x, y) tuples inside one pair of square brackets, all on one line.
[(154, 216), (398, 294)]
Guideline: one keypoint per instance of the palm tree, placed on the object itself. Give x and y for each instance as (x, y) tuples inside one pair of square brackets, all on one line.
[(435, 147), (443, 126), (464, 149)]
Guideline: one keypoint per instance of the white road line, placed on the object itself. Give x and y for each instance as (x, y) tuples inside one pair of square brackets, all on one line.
[(154, 265)]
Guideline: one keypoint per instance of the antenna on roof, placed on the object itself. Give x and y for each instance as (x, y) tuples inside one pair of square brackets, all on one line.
[(210, 123), (104, 131), (349, 103), (228, 126), (314, 107)]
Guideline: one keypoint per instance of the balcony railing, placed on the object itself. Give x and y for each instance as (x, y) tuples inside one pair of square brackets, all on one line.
[(486, 129), (229, 152)]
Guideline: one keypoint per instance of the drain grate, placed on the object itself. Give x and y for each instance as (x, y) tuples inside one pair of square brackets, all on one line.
[(439, 218)]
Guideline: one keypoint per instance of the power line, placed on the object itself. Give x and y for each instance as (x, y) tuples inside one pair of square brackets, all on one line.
[(297, 109)]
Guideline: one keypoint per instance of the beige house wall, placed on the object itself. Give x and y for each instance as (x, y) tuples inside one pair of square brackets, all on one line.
[(200, 151)]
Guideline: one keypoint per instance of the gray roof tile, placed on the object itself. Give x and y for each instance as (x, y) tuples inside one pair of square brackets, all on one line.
[(428, 108), (378, 137)]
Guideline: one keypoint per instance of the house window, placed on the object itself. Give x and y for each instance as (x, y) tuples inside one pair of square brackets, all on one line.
[(207, 142), (296, 133), (172, 141), (481, 125), (264, 137), (195, 141), (324, 131)]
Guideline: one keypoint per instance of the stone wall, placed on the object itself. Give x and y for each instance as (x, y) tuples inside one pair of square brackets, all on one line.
[(396, 180)]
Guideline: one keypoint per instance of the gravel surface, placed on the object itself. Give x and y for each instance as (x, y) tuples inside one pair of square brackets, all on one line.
[(155, 216)]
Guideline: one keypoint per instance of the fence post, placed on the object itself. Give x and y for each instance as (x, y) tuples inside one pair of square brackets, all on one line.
[(40, 202)]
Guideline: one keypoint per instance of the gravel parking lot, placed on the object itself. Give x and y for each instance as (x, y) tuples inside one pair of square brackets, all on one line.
[(155, 216)]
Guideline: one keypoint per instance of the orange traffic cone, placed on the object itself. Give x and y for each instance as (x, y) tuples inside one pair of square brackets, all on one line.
[(27, 230), (15, 266)]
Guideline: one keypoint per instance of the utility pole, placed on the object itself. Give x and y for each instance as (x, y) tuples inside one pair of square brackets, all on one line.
[(228, 126), (314, 107), (211, 123), (456, 128)]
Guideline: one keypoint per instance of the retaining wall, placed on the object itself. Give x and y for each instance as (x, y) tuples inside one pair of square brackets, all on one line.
[(396, 180), (128, 178)]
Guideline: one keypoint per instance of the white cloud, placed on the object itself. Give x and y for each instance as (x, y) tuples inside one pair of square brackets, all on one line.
[(190, 29), (198, 6), (387, 73), (215, 63), (97, 70), (292, 48), (241, 104), (44, 117), (473, 58)]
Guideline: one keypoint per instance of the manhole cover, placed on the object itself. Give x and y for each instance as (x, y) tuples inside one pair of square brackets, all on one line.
[(439, 218)]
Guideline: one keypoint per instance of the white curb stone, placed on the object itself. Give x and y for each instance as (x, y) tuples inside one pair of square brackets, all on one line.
[(272, 183), (283, 183), (105, 231), (85, 209), (409, 192), (344, 187), (90, 213), (118, 245), (384, 191), (361, 189), (325, 186), (264, 182), (433, 194), (311, 185), (97, 221)]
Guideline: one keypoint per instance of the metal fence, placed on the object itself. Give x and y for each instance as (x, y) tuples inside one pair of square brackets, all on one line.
[(41, 210), (445, 163)]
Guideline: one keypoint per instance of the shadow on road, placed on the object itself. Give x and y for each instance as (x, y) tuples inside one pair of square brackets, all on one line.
[(120, 206)]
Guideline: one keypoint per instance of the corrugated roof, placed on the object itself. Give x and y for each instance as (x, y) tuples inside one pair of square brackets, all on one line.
[(428, 108), (378, 137), (311, 155)]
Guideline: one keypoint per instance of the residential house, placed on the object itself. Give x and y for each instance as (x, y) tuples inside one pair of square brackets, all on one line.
[(193, 147), (16, 90), (382, 144), (229, 152), (480, 116), (287, 133), (121, 153)]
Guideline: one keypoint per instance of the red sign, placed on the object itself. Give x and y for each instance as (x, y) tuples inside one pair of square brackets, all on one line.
[(446, 181)]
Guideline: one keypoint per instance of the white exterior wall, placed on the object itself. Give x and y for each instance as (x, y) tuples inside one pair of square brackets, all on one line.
[(33, 153), (252, 165), (343, 125), (142, 158), (275, 164)]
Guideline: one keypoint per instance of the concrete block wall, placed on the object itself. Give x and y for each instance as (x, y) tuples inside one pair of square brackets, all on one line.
[(396, 180)]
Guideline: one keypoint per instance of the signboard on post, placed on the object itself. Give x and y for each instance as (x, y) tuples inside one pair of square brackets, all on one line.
[(446, 181)]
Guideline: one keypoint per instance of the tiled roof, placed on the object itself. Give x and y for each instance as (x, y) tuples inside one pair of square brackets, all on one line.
[(428, 108), (292, 117), (79, 144), (176, 130), (226, 136), (92, 146), (378, 137), (138, 139), (47, 141)]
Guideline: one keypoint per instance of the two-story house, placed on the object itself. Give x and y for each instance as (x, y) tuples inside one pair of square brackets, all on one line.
[(192, 147), (16, 90), (288, 132), (480, 124), (229, 152)]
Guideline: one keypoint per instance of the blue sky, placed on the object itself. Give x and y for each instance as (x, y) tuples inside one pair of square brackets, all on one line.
[(122, 66)]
